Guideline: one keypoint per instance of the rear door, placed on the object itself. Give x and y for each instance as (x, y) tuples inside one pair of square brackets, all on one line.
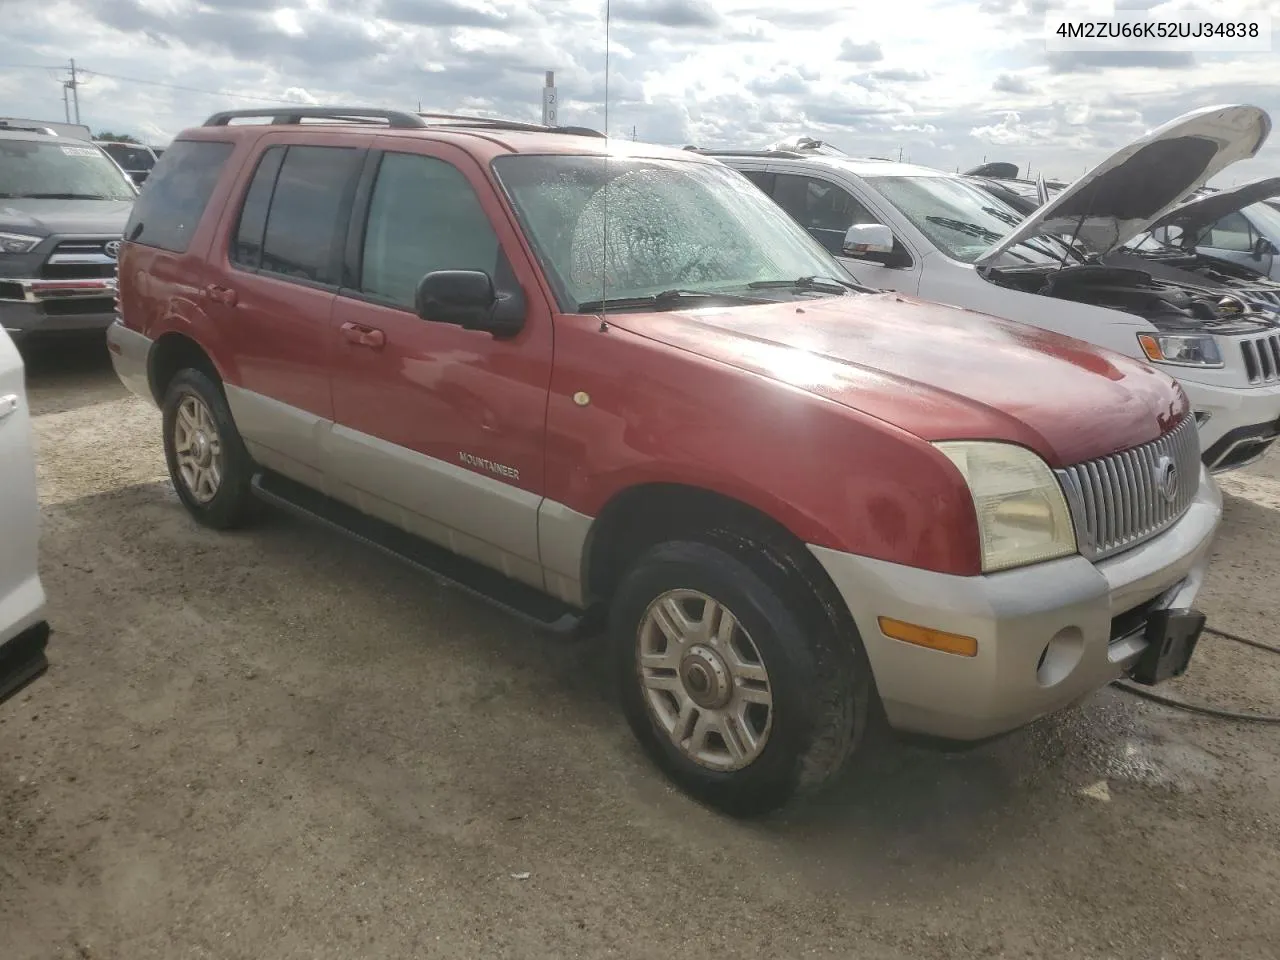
[(270, 287), (439, 429)]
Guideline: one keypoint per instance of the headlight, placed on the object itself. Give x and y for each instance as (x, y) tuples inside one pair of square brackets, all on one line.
[(1022, 514), (17, 243), (1180, 349)]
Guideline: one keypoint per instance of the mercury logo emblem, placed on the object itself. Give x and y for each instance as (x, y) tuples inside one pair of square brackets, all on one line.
[(1167, 478), (111, 248)]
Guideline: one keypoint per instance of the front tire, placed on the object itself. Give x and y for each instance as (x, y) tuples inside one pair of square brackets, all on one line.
[(208, 464), (732, 676)]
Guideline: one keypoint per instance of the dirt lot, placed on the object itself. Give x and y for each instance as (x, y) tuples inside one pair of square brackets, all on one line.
[(276, 744)]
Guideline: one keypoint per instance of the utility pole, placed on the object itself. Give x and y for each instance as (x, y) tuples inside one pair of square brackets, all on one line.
[(66, 103), (899, 153), (74, 86)]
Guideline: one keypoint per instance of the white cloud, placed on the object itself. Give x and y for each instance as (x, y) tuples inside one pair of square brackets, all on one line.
[(949, 81)]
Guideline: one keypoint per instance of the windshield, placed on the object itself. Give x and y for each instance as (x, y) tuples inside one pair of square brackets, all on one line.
[(72, 171), (646, 226), (962, 220), (130, 157)]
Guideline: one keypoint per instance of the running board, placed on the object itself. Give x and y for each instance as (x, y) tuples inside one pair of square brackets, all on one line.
[(519, 599)]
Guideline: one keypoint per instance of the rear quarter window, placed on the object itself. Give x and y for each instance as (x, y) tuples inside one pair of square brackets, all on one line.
[(169, 209)]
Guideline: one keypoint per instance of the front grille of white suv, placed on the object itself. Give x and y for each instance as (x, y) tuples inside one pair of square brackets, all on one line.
[(1121, 500), (1262, 358)]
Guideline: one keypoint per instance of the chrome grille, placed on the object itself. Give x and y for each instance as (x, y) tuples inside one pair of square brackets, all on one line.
[(1116, 501), (79, 260), (1262, 358)]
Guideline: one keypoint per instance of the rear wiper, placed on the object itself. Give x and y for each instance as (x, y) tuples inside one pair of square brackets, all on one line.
[(825, 284), (666, 300)]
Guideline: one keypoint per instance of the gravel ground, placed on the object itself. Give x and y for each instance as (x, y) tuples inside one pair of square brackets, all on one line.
[(278, 744)]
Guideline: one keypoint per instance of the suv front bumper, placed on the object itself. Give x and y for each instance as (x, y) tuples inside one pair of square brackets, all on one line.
[(1243, 422), (29, 305), (1048, 634)]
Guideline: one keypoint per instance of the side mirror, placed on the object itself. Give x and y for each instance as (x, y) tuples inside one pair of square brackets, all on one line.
[(873, 242), (1263, 248), (467, 299), (863, 238)]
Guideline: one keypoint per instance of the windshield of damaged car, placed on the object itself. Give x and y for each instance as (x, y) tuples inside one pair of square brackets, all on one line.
[(963, 221), (42, 169), (637, 227)]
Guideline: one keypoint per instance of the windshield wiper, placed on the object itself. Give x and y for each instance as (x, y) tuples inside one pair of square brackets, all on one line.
[(666, 300), (61, 196), (963, 226), (823, 284)]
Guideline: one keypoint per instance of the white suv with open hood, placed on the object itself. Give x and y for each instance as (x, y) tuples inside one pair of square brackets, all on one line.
[(940, 237)]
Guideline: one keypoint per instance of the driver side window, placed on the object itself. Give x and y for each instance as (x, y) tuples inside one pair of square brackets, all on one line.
[(423, 216), (822, 208), (1232, 232)]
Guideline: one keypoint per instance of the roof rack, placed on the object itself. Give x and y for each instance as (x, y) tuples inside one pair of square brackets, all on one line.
[(22, 128), (783, 154), (396, 119), (393, 118)]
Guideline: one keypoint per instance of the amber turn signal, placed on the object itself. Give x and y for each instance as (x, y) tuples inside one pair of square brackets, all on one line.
[(926, 637), (1150, 346)]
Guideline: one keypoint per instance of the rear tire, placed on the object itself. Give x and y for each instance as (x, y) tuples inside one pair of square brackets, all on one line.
[(210, 468), (698, 706)]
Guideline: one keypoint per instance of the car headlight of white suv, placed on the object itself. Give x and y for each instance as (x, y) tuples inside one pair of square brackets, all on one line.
[(1022, 514), (1183, 350)]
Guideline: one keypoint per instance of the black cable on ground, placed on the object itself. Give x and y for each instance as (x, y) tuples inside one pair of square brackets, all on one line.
[(1241, 715), (1269, 647)]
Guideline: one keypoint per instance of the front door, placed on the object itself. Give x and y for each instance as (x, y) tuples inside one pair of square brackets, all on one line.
[(439, 429), (827, 210)]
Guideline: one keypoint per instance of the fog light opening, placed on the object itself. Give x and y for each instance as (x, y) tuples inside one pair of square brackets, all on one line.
[(1060, 656)]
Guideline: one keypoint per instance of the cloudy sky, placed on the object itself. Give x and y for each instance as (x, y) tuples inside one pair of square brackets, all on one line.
[(948, 81)]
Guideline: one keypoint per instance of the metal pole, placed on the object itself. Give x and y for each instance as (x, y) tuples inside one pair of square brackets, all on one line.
[(66, 104), (549, 105), (75, 89)]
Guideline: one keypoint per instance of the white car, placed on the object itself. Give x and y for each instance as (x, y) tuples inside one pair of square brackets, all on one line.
[(23, 628), (938, 236)]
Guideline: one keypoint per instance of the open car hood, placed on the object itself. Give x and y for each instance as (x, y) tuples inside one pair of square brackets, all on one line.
[(1122, 196), (1194, 215)]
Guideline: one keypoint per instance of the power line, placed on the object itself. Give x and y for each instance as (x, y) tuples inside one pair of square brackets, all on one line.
[(176, 86), (149, 83)]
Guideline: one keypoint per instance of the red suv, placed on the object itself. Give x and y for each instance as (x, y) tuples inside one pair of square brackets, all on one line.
[(579, 376)]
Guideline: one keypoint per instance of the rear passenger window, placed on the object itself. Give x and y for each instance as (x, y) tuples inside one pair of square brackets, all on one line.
[(246, 246), (305, 216), (423, 216), (170, 207)]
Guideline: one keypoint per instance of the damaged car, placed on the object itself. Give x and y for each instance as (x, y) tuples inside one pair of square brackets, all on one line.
[(937, 236)]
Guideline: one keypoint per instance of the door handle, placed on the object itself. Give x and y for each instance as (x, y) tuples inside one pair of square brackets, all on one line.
[(220, 294), (8, 406), (363, 336)]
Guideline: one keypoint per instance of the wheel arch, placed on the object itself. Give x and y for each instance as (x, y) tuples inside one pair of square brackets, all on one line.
[(641, 516), (171, 353)]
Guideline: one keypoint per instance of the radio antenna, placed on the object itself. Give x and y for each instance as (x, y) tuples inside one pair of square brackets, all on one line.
[(604, 203)]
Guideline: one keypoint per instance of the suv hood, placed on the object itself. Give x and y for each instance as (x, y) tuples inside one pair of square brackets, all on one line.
[(45, 217), (1122, 196), (1194, 215), (941, 373)]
